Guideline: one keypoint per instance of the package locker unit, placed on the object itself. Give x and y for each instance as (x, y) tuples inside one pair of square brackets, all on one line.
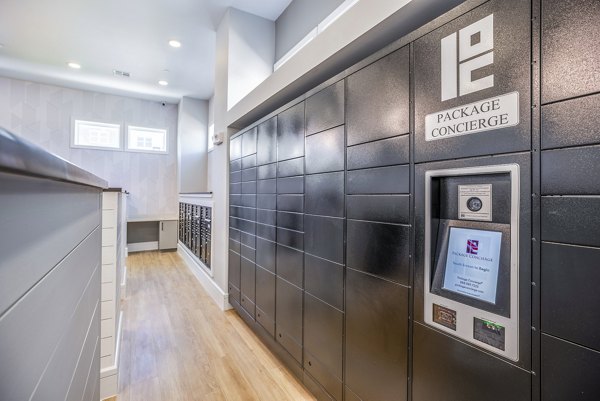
[(468, 146), (194, 230)]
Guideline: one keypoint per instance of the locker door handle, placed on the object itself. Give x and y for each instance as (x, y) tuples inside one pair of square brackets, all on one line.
[(162, 226)]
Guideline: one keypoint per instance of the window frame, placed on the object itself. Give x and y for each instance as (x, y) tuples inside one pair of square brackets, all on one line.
[(154, 152), (74, 122)]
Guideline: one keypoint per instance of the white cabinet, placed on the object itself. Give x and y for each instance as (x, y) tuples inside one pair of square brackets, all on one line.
[(167, 234)]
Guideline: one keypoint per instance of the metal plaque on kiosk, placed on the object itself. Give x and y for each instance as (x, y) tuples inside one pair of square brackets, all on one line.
[(471, 265)]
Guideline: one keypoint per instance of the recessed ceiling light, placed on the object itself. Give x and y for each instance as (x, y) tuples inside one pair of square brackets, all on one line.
[(73, 65), (174, 43), (163, 83)]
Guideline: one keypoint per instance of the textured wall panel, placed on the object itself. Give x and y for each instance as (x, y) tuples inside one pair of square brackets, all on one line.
[(288, 168), (249, 142), (377, 99), (568, 171), (386, 152), (382, 180), (249, 174), (325, 194), (265, 299), (290, 185), (290, 264), (324, 280), (570, 49), (249, 161), (323, 334), (265, 254), (324, 237), (573, 122), (570, 299), (379, 249), (381, 208), (288, 312), (569, 372), (572, 220), (267, 171), (325, 109), (235, 148), (291, 238), (290, 133), (376, 337), (290, 203), (325, 151), (266, 146)]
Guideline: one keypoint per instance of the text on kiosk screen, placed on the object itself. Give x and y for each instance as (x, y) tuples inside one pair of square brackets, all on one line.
[(472, 263)]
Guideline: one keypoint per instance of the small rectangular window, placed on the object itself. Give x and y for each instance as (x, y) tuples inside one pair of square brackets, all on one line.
[(95, 135), (140, 139)]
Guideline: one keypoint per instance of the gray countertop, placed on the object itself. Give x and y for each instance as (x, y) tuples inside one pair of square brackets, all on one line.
[(20, 156)]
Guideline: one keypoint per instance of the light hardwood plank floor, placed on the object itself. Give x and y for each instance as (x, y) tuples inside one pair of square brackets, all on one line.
[(178, 346)]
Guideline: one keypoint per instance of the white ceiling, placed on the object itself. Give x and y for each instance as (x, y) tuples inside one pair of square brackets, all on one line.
[(40, 36)]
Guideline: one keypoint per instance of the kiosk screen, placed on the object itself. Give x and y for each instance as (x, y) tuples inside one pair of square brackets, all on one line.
[(472, 263)]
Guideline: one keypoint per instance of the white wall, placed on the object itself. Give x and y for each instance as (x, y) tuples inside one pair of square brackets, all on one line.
[(211, 121), (218, 160), (43, 113), (192, 145), (297, 20), (245, 56), (251, 53)]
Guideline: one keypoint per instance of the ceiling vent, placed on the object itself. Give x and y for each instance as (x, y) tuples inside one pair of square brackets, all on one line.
[(118, 73)]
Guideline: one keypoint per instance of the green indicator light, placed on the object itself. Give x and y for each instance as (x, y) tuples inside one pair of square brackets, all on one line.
[(493, 325)]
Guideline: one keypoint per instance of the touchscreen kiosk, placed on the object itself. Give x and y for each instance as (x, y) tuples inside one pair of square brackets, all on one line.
[(471, 276)]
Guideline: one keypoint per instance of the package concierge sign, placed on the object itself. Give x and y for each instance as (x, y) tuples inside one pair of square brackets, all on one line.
[(472, 263), (489, 114)]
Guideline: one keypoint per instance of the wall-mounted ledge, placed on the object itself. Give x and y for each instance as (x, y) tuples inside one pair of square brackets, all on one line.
[(200, 199), (197, 194), (116, 190), (164, 217)]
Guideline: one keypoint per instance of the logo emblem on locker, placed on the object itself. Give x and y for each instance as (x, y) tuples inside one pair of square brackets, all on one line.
[(463, 52), (472, 246)]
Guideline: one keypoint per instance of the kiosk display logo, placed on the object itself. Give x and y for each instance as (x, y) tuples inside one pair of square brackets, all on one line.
[(462, 54), (472, 246)]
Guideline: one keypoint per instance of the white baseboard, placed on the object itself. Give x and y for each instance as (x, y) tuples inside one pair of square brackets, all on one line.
[(109, 386), (221, 298), (142, 246), (109, 376)]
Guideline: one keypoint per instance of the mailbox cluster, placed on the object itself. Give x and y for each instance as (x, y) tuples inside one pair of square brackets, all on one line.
[(195, 230), (419, 228)]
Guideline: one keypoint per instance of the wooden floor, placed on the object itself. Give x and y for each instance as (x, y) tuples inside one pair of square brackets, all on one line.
[(177, 344)]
